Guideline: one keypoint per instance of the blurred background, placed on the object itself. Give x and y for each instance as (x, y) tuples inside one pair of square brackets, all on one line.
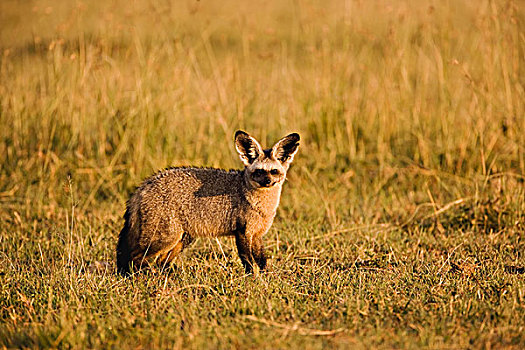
[(399, 103)]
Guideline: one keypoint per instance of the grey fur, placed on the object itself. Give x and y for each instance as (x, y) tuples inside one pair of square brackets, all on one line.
[(177, 205)]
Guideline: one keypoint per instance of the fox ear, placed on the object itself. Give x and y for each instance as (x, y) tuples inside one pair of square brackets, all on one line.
[(284, 150), (248, 147)]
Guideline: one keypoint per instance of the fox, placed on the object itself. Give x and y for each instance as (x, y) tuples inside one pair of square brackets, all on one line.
[(173, 207)]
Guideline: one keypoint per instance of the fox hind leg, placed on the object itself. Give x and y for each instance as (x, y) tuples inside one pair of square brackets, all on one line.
[(167, 258), (155, 245)]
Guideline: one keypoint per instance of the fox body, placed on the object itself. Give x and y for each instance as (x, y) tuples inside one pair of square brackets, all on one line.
[(173, 207)]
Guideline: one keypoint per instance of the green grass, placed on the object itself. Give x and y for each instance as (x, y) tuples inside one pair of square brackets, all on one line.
[(402, 224)]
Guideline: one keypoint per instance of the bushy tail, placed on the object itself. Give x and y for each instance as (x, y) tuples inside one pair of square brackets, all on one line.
[(123, 251)]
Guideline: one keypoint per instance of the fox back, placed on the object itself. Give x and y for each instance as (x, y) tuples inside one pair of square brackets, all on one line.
[(173, 207)]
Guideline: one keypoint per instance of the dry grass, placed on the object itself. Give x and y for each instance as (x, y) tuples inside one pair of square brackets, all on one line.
[(401, 225)]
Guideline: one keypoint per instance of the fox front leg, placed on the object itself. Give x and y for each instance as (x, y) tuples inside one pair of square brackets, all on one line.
[(251, 251), (258, 252), (244, 249)]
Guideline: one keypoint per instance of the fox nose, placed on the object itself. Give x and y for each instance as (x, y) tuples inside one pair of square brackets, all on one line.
[(266, 181)]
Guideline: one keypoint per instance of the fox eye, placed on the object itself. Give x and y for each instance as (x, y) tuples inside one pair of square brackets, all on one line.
[(274, 171), (259, 172)]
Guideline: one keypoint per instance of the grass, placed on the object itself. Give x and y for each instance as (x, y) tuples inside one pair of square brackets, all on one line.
[(402, 223)]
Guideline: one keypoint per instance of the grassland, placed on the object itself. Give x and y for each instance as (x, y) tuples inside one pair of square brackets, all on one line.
[(402, 224)]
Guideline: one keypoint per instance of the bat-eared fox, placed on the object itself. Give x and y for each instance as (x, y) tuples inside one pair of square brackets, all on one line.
[(173, 207)]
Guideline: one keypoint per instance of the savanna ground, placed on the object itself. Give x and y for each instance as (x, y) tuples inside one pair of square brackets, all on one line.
[(402, 223)]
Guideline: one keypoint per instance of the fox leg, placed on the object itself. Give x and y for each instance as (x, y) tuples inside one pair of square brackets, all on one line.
[(152, 257), (159, 247), (258, 252), (251, 250), (244, 249), (167, 257)]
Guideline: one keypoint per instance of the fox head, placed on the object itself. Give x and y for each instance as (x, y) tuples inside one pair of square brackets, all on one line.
[(266, 167)]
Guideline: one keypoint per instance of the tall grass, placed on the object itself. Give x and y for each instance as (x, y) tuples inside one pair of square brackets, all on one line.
[(402, 221)]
